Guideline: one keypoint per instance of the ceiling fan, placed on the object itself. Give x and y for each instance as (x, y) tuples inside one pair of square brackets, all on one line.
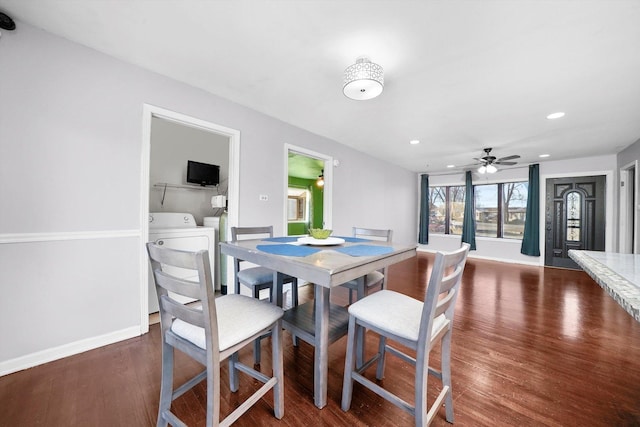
[(487, 162)]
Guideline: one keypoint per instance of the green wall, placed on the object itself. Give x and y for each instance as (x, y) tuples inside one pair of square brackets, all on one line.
[(316, 206)]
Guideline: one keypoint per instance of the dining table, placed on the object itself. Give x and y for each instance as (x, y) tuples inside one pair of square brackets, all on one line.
[(324, 263)]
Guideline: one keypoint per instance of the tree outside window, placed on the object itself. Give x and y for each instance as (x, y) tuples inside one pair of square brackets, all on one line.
[(456, 209), (437, 210), (515, 209)]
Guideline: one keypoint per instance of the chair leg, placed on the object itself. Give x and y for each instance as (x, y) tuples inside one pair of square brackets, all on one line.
[(278, 369), (294, 302), (166, 384), (382, 357), (213, 392), (422, 373), (234, 381), (256, 351), (350, 296), (256, 344), (349, 365), (446, 375)]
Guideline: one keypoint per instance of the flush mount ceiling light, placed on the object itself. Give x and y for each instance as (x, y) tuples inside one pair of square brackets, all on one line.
[(414, 142), (363, 80)]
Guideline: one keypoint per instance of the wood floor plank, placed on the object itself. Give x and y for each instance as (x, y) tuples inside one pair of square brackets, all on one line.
[(532, 346)]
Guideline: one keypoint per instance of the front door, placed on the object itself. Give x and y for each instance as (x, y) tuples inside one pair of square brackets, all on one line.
[(574, 218)]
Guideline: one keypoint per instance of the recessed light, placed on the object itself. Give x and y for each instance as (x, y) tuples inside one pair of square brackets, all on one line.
[(555, 115), (544, 155), (451, 166), (414, 142)]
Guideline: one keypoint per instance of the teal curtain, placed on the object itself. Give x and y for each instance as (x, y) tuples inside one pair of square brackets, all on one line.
[(423, 235), (531, 238), (469, 222)]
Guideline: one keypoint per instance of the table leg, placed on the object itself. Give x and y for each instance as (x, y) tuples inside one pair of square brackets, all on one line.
[(360, 332), (321, 356)]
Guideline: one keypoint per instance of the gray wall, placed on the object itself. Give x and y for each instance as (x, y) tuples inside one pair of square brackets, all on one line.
[(70, 173), (629, 154)]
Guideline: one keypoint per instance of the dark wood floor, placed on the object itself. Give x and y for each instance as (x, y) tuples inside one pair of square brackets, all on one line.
[(531, 346)]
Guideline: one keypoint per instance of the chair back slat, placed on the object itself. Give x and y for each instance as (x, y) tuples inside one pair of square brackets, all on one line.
[(179, 286), (183, 312), (384, 235), (175, 258), (252, 232)]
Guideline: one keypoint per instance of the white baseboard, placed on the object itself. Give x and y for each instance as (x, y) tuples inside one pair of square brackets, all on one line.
[(55, 353), (507, 260)]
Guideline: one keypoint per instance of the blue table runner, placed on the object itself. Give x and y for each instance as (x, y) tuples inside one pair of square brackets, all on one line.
[(288, 250), (365, 250)]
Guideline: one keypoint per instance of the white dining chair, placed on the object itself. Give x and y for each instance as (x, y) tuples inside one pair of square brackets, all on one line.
[(258, 278), (416, 325), (210, 333), (375, 278)]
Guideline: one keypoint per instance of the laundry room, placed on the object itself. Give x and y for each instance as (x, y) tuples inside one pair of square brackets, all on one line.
[(173, 145), (188, 183)]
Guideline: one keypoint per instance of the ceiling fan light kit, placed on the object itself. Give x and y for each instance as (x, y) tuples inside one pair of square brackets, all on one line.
[(363, 80), (488, 162)]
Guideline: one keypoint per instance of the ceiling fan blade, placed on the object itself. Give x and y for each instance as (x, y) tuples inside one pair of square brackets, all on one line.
[(505, 163), (515, 156)]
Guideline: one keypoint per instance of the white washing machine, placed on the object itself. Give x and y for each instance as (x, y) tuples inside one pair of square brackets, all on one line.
[(180, 231)]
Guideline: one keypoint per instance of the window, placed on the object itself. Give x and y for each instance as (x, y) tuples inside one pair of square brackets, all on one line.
[(514, 208), (297, 205), (437, 209), (456, 209), (499, 209), (486, 210), (446, 209), (574, 206)]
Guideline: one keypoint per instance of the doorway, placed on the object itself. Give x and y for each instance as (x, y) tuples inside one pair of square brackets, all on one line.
[(232, 135), (308, 189), (629, 233), (575, 218)]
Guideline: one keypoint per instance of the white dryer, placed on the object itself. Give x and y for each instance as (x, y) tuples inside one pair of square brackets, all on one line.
[(179, 231)]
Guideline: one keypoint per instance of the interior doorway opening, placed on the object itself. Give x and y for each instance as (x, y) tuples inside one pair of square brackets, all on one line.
[(308, 190), (150, 114), (629, 233)]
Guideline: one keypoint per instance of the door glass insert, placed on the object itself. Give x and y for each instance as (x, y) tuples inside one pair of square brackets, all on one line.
[(574, 215)]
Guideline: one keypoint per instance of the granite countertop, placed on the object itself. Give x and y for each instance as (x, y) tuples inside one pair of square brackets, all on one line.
[(618, 274)]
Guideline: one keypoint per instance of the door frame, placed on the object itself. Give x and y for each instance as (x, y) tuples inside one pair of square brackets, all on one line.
[(608, 207), (628, 211), (148, 113), (327, 197)]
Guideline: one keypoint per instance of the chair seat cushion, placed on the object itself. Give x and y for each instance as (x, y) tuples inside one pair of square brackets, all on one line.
[(394, 312), (256, 276), (374, 278), (239, 317)]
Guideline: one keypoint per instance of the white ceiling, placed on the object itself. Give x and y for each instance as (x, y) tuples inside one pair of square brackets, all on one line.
[(459, 75)]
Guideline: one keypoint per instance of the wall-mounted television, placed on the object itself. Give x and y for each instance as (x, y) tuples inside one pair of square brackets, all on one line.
[(202, 173)]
